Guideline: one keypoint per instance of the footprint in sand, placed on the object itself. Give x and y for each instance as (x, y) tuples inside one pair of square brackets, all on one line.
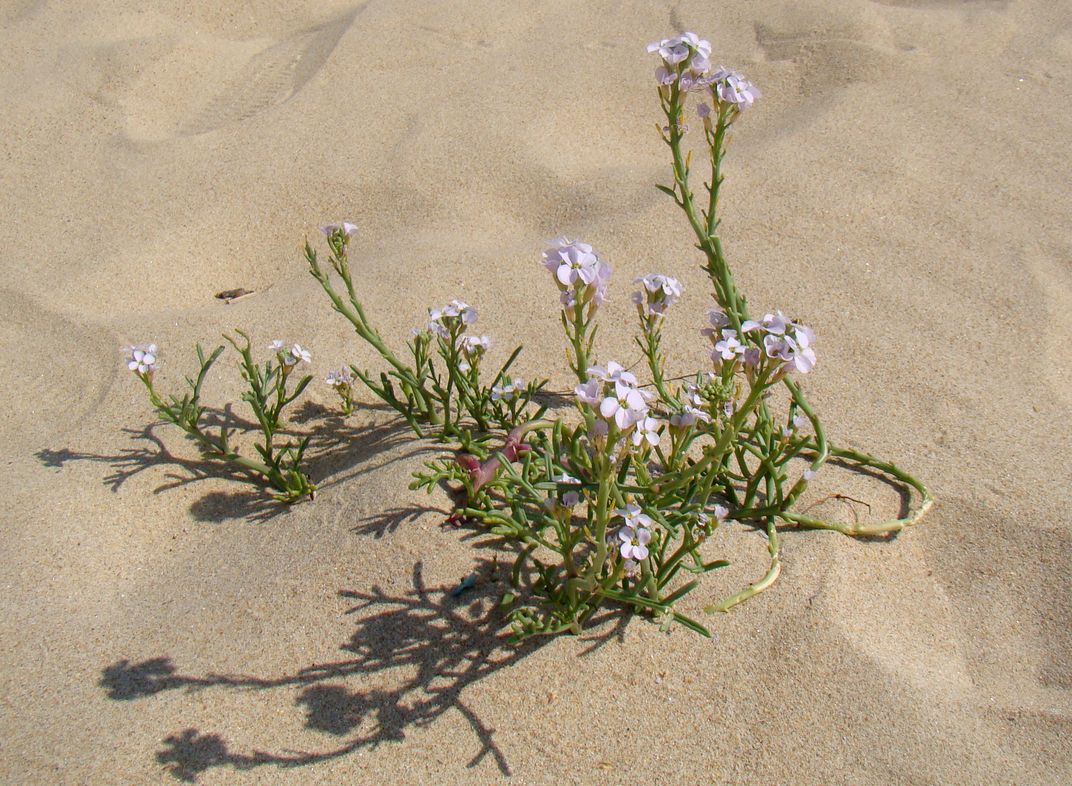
[(829, 55), (269, 78), (203, 83)]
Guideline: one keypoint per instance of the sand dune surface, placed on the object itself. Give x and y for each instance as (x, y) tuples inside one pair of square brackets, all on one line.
[(903, 186)]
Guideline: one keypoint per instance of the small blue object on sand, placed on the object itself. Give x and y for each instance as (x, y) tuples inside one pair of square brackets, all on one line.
[(465, 585)]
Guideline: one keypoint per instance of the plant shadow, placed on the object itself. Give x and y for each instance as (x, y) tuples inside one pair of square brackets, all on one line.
[(421, 649), (338, 452)]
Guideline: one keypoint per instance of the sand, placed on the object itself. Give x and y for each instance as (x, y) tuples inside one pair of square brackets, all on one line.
[(903, 186)]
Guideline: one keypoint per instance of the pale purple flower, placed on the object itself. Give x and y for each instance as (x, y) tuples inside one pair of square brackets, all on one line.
[(571, 499), (508, 390), (339, 379), (679, 49), (659, 293), (729, 347), (801, 421), (141, 358), (689, 416), (613, 372), (473, 347), (599, 430), (635, 542), (599, 297), (344, 226), (631, 568), (625, 407), (721, 511), (300, 355), (796, 349), (775, 323), (776, 347), (442, 320), (276, 345), (634, 515), (590, 393), (647, 430), (664, 76), (566, 479), (730, 87), (809, 474), (752, 356), (571, 261), (703, 110), (576, 266), (718, 320)]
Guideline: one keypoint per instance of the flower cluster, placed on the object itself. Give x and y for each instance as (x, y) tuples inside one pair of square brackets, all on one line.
[(581, 274), (686, 60), (508, 390), (657, 294), (634, 537), (342, 382), (292, 356), (612, 391), (729, 90), (693, 407), (141, 359), (785, 340), (345, 227), (473, 349), (453, 317)]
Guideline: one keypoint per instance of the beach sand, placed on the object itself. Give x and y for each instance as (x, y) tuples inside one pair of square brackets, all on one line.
[(902, 186)]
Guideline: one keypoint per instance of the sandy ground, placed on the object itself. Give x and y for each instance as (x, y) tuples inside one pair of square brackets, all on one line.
[(903, 186)]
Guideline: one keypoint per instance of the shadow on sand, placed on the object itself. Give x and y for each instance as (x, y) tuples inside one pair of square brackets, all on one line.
[(430, 645), (338, 452)]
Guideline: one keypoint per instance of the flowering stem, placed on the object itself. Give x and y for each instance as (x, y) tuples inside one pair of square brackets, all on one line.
[(355, 313)]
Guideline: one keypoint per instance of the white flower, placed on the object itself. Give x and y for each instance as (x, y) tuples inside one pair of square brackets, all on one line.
[(576, 266), (678, 49), (731, 88), (455, 313), (634, 515), (297, 355), (659, 293), (613, 372), (776, 323), (729, 347), (566, 478), (689, 416), (276, 345), (508, 390), (718, 320), (590, 393), (475, 346), (344, 226), (625, 407), (338, 379), (635, 540), (795, 349), (142, 358), (647, 430)]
